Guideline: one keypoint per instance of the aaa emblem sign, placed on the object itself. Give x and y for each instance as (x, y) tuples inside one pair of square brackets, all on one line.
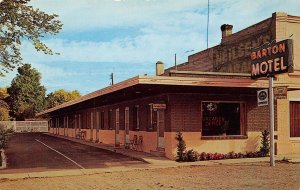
[(262, 97)]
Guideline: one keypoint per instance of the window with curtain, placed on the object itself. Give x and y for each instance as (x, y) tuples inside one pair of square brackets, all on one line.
[(295, 119)]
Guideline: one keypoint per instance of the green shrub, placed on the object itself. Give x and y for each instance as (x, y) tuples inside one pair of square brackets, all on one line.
[(180, 147), (191, 156), (265, 143), (231, 155), (240, 155)]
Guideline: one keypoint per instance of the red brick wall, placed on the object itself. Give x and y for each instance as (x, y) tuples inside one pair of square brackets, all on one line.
[(257, 117), (183, 112), (185, 109), (201, 61)]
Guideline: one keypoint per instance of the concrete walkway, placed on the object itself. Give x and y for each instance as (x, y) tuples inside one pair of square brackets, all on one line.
[(154, 162)]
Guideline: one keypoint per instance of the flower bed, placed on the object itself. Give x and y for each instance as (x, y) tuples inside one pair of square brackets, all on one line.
[(192, 156)]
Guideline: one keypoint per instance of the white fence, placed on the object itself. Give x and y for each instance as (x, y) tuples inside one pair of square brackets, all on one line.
[(25, 126)]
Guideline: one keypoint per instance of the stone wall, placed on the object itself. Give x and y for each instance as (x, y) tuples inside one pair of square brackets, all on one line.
[(25, 126)]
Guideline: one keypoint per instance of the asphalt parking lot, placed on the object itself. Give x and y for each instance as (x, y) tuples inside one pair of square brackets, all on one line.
[(33, 152)]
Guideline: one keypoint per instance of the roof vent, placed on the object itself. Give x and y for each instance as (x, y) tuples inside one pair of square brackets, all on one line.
[(159, 68)]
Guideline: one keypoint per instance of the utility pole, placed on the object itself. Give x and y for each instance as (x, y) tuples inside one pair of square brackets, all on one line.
[(112, 78), (207, 24), (175, 62), (271, 101)]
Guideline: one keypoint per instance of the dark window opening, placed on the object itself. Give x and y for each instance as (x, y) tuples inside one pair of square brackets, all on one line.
[(154, 119), (221, 118), (136, 120), (126, 120), (102, 120), (149, 117), (110, 122)]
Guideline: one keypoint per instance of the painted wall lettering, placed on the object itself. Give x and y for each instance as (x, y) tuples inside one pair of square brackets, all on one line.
[(235, 57)]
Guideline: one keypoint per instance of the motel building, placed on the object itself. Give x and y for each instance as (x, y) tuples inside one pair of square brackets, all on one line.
[(211, 99)]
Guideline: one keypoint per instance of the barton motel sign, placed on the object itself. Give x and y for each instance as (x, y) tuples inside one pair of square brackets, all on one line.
[(267, 61), (272, 59)]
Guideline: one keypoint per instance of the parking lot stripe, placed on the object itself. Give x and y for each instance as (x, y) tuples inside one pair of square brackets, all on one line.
[(60, 154)]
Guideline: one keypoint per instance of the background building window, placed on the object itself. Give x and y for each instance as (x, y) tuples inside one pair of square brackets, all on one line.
[(294, 119), (222, 118)]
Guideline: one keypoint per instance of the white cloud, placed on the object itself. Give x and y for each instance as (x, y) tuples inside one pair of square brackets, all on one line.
[(85, 15), (139, 49), (81, 15), (164, 27)]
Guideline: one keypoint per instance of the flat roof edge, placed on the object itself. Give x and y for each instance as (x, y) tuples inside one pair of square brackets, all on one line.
[(165, 80), (106, 90), (210, 73)]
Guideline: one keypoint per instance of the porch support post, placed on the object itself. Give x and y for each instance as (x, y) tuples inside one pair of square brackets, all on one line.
[(271, 100)]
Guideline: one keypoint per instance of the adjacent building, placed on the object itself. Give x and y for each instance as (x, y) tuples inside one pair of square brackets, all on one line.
[(211, 99)]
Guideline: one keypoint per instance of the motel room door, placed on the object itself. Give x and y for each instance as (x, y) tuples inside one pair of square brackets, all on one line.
[(126, 126), (97, 125), (92, 126), (160, 128)]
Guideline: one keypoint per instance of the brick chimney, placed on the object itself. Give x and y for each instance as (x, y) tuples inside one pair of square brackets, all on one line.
[(159, 68), (226, 30)]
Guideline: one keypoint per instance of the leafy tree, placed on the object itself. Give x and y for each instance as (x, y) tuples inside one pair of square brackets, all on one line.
[(4, 108), (4, 114), (3, 93), (61, 96), (26, 94), (20, 21)]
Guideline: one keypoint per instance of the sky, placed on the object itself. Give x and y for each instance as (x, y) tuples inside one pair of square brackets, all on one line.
[(127, 37)]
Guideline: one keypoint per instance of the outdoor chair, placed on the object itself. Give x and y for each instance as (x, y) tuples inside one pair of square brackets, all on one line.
[(77, 135), (82, 134), (136, 143)]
